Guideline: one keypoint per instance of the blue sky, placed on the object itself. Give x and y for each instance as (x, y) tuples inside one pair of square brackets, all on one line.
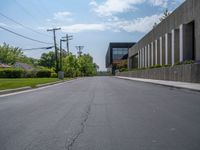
[(93, 23)]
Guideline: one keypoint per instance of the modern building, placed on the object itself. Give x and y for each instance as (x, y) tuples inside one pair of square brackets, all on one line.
[(117, 56), (176, 39)]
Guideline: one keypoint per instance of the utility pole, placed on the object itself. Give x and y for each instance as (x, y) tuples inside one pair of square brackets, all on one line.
[(79, 48), (61, 53), (68, 38), (55, 46)]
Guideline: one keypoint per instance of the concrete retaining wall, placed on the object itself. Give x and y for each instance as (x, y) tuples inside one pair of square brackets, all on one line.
[(184, 73)]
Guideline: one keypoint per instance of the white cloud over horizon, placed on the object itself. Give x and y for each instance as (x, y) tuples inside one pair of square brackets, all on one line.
[(60, 17), (112, 7), (109, 9), (142, 25), (75, 28)]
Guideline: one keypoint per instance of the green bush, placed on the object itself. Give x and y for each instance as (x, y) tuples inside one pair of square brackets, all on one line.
[(54, 75), (20, 73), (30, 73), (45, 73), (11, 73), (166, 65), (185, 62), (156, 66), (189, 62), (123, 69)]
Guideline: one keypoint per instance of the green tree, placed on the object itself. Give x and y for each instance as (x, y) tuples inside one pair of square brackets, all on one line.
[(71, 66), (9, 54), (47, 60), (86, 65), (28, 60)]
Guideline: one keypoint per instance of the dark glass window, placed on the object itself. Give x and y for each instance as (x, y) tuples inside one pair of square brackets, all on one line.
[(119, 53)]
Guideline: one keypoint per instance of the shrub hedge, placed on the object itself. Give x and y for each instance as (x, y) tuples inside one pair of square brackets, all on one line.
[(11, 73), (54, 75), (20, 73), (43, 73)]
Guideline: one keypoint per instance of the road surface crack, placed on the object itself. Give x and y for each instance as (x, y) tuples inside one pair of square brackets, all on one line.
[(71, 140)]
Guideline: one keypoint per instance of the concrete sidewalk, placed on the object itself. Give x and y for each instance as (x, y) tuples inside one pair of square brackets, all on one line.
[(175, 84)]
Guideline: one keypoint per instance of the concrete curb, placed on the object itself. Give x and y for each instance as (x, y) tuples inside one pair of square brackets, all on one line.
[(14, 90), (174, 84), (8, 91), (51, 83)]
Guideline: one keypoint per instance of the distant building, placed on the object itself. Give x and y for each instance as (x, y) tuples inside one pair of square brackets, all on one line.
[(4, 65), (117, 55), (22, 66), (176, 39)]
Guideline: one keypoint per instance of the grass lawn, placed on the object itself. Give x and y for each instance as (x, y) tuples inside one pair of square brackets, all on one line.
[(22, 82)]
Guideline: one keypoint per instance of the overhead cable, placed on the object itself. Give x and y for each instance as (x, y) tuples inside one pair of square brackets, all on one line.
[(25, 37), (22, 24), (45, 48)]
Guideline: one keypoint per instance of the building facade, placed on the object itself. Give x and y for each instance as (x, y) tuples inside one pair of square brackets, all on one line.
[(176, 39), (117, 55)]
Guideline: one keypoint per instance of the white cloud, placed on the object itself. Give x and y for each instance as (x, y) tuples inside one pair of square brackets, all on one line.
[(140, 24), (111, 7), (162, 3), (62, 15), (93, 3), (83, 27), (60, 18), (137, 25)]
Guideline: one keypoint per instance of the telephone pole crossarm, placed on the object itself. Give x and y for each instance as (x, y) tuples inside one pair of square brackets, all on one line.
[(68, 38), (79, 48)]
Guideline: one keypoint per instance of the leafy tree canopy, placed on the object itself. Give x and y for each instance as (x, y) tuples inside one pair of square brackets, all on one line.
[(87, 67), (10, 55), (47, 60)]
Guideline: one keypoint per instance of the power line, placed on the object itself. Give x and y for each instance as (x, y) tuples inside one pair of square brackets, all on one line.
[(28, 38), (45, 48), (27, 12), (22, 25)]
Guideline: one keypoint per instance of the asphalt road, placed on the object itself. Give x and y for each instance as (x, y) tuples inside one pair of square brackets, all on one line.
[(101, 113)]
